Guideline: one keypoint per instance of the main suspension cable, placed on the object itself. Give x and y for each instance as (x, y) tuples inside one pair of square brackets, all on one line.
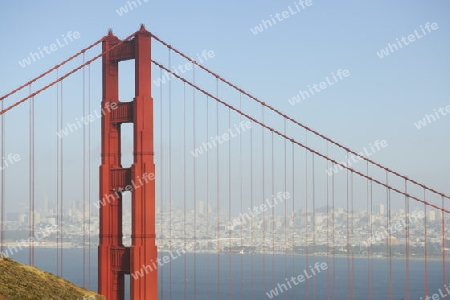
[(64, 76), (51, 70), (305, 146), (293, 120)]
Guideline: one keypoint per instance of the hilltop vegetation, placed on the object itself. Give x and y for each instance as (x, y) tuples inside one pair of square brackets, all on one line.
[(18, 281)]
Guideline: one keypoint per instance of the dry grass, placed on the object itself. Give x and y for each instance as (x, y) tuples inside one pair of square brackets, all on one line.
[(18, 281)]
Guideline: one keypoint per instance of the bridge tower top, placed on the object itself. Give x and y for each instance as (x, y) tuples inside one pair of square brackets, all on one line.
[(116, 260)]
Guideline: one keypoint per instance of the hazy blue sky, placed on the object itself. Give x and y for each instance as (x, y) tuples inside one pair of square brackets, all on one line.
[(380, 100)]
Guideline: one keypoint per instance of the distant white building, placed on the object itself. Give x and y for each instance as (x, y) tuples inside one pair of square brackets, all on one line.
[(201, 207), (378, 209), (432, 215)]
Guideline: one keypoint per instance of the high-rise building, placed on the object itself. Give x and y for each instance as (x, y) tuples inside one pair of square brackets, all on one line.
[(378, 209), (201, 207), (432, 215), (45, 212)]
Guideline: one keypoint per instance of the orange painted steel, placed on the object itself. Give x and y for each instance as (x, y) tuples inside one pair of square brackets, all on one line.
[(115, 260)]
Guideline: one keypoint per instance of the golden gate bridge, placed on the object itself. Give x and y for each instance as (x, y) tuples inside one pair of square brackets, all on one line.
[(244, 170)]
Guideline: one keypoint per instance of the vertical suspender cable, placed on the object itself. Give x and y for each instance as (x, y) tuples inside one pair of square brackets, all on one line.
[(263, 195), (229, 211), (328, 226), (195, 188), (58, 153), (348, 235), (33, 190), (334, 234), (33, 224), (390, 247), (273, 216), (31, 187), (62, 183), (444, 273), (84, 177), (89, 178), (425, 247), (251, 220), (306, 213), (369, 232), (388, 244), (350, 253), (285, 206), (207, 205), (169, 151), (218, 193), (314, 218), (241, 185), (293, 213), (161, 186), (184, 185), (387, 226), (33, 180), (29, 184), (407, 240), (352, 236)]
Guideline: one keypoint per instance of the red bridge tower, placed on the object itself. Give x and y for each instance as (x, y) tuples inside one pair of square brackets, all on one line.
[(114, 259)]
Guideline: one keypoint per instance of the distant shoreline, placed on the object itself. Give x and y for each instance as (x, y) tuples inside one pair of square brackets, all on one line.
[(330, 256), (322, 256)]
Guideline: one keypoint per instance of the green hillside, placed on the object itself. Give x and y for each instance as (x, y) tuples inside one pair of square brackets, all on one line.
[(18, 281)]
